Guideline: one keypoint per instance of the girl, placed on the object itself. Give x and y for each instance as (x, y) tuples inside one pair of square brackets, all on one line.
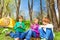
[(19, 30), (46, 31), (33, 30)]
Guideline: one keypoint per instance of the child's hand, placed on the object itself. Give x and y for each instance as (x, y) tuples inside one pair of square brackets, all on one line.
[(20, 26), (43, 26)]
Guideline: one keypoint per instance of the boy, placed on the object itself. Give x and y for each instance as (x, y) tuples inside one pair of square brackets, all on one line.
[(46, 32)]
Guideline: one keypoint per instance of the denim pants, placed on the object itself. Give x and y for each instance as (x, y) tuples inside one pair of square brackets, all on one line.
[(30, 34), (48, 34), (18, 35)]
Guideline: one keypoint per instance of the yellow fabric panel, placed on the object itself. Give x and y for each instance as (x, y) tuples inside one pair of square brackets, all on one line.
[(2, 22), (7, 22), (12, 23)]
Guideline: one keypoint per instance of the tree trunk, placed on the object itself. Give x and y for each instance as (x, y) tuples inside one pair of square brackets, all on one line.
[(53, 13), (41, 13), (30, 9), (58, 4), (10, 14), (1, 8), (49, 15), (41, 10), (17, 9)]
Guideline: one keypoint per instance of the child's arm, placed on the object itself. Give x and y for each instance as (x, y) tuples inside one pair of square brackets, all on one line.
[(16, 26), (36, 27), (48, 32), (31, 26), (49, 26), (23, 26)]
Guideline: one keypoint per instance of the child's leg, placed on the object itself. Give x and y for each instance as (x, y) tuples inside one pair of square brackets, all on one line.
[(49, 34), (14, 35), (34, 34), (42, 33), (35, 37), (51, 37), (29, 35), (23, 35)]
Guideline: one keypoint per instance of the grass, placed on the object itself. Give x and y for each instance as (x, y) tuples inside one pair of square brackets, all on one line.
[(57, 36), (3, 37)]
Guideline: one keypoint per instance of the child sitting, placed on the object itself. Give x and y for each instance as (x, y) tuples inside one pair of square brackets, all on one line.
[(33, 30), (19, 30), (46, 31)]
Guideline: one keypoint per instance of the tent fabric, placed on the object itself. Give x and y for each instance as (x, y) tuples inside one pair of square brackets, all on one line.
[(7, 22)]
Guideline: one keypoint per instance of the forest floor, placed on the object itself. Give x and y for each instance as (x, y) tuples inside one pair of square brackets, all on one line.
[(3, 37)]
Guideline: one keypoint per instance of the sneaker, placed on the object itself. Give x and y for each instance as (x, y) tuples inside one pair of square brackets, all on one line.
[(24, 39), (43, 39)]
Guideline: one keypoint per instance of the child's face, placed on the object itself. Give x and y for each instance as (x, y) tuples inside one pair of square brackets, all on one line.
[(44, 23), (20, 19), (35, 20)]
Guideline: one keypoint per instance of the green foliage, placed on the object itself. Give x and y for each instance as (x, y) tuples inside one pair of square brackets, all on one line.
[(8, 8), (27, 23), (40, 23)]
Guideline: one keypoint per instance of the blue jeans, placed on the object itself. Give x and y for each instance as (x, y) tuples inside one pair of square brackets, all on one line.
[(30, 34), (48, 34), (18, 35)]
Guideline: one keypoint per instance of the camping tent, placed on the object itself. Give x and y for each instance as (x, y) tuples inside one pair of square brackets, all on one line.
[(7, 22)]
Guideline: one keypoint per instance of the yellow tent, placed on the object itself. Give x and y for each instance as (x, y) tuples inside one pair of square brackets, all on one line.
[(7, 22), (12, 23), (3, 22)]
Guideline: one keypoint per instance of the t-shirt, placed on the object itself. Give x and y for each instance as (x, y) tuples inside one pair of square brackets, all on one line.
[(35, 27)]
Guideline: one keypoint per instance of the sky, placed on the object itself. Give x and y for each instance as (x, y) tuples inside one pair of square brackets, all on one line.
[(36, 7)]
